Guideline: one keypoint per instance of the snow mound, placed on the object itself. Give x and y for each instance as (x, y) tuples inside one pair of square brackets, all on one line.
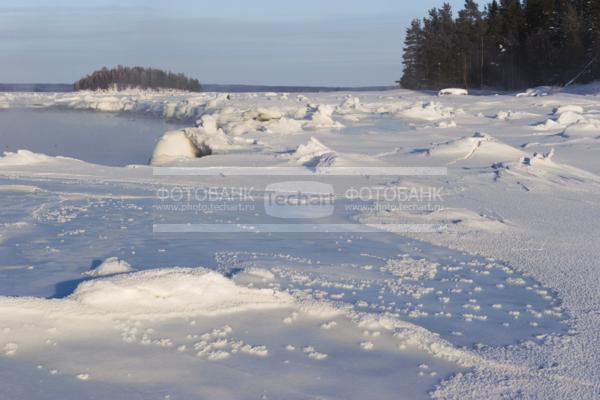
[(105, 103), (25, 189), (512, 115), (190, 143), (322, 159), (26, 157), (446, 124), (569, 118), (584, 128), (536, 92), (540, 168), (237, 122), (428, 111), (217, 101), (284, 126), (264, 114), (480, 144), (111, 266), (504, 115), (538, 159), (463, 219), (173, 146), (179, 291), (568, 108), (208, 138), (573, 121), (253, 275), (549, 124), (351, 108), (455, 220), (320, 117), (350, 104), (453, 92), (313, 153)]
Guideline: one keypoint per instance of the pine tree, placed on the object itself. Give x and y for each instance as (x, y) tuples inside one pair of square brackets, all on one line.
[(573, 54), (510, 45), (493, 45), (591, 34), (413, 68), (470, 36)]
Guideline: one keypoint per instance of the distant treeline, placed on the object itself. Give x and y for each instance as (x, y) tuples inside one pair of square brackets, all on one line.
[(509, 44), (136, 77)]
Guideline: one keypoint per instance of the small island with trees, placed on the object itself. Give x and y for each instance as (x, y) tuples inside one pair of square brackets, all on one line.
[(121, 78), (510, 44)]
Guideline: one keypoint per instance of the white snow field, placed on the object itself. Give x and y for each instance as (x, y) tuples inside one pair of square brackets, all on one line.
[(453, 251)]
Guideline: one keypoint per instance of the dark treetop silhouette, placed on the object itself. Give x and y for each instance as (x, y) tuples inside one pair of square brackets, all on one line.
[(136, 77), (509, 44)]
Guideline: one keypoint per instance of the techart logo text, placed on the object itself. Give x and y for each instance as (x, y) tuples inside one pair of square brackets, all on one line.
[(299, 200)]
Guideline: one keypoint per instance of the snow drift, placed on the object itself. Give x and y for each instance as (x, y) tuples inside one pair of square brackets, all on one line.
[(189, 143), (428, 111), (536, 92), (181, 291), (26, 157), (574, 122), (480, 145), (453, 92)]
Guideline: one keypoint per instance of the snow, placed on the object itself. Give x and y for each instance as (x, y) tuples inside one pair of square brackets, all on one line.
[(428, 111), (536, 92), (453, 92), (110, 266), (513, 115), (320, 117), (25, 157), (571, 108), (173, 146), (166, 292), (313, 153), (476, 147), (496, 302)]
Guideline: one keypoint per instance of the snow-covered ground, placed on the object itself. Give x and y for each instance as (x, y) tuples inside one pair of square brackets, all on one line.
[(452, 251)]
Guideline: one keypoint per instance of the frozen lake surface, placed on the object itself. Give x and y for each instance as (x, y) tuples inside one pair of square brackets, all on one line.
[(99, 138)]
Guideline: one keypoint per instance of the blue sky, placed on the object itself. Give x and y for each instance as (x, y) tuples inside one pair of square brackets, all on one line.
[(277, 42)]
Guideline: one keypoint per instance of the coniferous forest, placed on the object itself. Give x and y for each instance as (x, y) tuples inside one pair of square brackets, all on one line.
[(136, 77), (507, 44)]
